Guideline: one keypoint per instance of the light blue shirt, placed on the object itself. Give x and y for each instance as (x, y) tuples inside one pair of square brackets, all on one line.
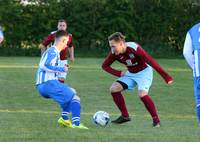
[(48, 67), (191, 50), (1, 33)]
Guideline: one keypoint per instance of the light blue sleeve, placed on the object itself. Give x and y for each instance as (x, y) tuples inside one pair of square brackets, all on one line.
[(1, 34), (188, 51)]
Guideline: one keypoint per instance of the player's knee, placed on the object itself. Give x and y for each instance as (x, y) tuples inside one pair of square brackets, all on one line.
[(116, 87), (76, 98), (142, 93), (73, 90)]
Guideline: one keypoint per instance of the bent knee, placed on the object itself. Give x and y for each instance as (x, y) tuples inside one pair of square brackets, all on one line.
[(142, 93), (73, 90), (116, 87), (76, 98)]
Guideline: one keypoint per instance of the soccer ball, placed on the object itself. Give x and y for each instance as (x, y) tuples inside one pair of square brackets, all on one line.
[(101, 118)]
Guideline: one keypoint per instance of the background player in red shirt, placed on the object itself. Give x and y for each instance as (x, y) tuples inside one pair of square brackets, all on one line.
[(62, 25), (139, 65)]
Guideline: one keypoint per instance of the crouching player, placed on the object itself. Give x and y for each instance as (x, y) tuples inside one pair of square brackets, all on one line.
[(62, 25), (48, 85), (139, 65)]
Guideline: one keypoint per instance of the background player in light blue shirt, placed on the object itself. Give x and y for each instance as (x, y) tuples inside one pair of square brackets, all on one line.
[(48, 85), (191, 52), (1, 35)]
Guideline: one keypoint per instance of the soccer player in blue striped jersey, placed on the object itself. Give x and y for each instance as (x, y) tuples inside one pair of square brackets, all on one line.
[(48, 85), (191, 52)]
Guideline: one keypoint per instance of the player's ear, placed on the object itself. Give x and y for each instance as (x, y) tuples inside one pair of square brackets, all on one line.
[(120, 43), (64, 40), (57, 26)]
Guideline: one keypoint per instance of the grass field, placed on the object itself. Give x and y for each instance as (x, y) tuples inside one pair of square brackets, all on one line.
[(27, 117)]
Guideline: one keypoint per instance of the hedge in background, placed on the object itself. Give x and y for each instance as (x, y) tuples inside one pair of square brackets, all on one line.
[(155, 24)]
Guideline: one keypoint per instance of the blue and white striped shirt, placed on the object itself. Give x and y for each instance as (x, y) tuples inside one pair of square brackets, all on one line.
[(191, 50), (48, 67)]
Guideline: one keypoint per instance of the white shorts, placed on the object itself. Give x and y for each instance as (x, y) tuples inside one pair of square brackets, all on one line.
[(62, 63), (142, 79)]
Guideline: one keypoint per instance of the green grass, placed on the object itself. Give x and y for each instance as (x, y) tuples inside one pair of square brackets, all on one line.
[(25, 116)]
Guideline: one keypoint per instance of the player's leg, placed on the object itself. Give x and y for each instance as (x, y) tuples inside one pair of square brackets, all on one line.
[(144, 81), (197, 96), (61, 94), (43, 90), (51, 90), (69, 101), (66, 109), (116, 89), (150, 106), (75, 106)]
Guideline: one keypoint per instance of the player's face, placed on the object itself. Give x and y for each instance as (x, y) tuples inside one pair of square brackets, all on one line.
[(117, 47), (64, 40), (62, 26)]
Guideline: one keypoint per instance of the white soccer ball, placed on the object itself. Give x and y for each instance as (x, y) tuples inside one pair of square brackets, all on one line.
[(101, 118)]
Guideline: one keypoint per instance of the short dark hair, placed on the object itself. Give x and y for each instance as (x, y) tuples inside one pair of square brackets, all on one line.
[(62, 20), (61, 33), (117, 36)]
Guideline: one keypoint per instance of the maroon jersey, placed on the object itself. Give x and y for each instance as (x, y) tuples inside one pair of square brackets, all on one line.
[(50, 40), (135, 59)]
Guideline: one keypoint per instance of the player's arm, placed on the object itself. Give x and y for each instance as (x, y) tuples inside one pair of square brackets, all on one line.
[(106, 66), (188, 51), (71, 52), (71, 49), (149, 60), (47, 66), (42, 48), (47, 40)]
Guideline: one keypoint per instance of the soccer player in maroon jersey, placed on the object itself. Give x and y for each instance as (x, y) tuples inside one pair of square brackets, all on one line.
[(139, 64), (62, 25)]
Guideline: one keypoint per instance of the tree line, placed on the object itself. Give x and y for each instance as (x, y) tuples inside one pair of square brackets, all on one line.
[(159, 26)]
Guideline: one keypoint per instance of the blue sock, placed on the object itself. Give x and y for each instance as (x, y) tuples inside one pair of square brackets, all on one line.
[(198, 112), (65, 111), (76, 110), (198, 105)]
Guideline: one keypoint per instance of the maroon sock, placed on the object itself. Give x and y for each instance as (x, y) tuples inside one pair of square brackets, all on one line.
[(119, 101), (149, 104), (62, 81)]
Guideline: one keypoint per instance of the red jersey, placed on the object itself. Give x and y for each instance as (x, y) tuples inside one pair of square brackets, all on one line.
[(135, 59), (50, 40)]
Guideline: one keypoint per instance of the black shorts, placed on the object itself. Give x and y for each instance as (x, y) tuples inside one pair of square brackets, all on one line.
[(124, 85)]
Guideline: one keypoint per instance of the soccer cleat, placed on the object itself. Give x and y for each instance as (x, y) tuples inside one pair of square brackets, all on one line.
[(65, 123), (121, 120), (156, 124), (80, 126)]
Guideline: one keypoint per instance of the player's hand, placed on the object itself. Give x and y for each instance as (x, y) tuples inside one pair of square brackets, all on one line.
[(123, 73), (72, 59), (170, 80), (41, 46), (66, 67)]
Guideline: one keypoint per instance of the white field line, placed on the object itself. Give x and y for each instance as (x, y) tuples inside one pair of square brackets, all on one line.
[(90, 113), (87, 67)]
